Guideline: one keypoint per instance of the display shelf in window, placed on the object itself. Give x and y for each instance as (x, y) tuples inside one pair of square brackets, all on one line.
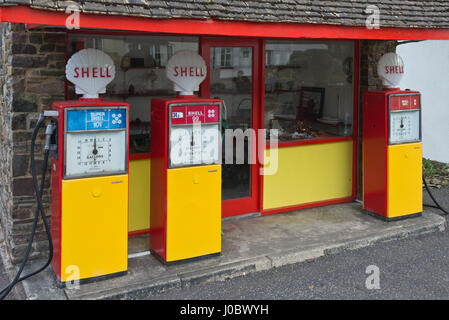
[(280, 91), (231, 92), (281, 67), (302, 118), (154, 93)]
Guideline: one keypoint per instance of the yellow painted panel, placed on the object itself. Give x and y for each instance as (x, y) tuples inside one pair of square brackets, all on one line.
[(308, 174), (139, 195), (404, 179), (193, 212), (94, 226)]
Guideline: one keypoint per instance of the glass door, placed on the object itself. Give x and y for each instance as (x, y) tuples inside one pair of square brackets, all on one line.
[(232, 71)]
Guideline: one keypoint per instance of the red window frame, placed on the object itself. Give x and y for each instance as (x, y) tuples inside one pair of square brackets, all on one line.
[(354, 137), (249, 204)]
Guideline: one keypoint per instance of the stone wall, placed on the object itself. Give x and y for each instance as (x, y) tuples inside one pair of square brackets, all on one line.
[(6, 201), (370, 53), (34, 64)]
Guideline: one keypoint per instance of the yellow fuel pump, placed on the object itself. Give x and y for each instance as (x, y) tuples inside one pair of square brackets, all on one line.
[(392, 147), (90, 176)]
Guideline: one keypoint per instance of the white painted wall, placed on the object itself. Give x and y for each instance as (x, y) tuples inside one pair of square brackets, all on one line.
[(427, 70)]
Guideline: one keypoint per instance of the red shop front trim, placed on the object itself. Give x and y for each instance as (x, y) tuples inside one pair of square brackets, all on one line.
[(25, 14)]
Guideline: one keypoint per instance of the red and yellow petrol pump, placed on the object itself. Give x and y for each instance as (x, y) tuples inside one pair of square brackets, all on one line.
[(90, 176), (392, 148), (185, 168)]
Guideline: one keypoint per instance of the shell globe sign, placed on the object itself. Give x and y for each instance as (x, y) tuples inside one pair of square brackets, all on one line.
[(90, 70), (186, 69), (390, 69)]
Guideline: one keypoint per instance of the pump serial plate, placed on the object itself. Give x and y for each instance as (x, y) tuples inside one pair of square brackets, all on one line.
[(95, 142)]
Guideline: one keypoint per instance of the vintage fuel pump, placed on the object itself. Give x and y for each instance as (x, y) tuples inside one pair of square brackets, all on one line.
[(90, 176), (185, 167), (392, 148)]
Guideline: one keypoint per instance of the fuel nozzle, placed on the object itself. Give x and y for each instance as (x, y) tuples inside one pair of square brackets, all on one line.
[(48, 133), (51, 141)]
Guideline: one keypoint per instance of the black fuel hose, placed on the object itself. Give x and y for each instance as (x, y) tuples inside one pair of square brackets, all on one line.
[(44, 218), (38, 192), (437, 206)]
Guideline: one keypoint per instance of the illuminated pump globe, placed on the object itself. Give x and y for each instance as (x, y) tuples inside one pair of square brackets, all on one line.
[(90, 70), (390, 69)]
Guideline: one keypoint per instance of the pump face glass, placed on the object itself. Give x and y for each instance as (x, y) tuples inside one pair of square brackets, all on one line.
[(194, 145), (404, 126), (195, 135), (94, 153), (95, 142)]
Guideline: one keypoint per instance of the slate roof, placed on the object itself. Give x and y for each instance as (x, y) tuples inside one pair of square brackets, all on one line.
[(393, 13)]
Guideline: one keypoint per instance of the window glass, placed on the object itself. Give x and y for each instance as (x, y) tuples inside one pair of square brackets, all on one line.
[(140, 74), (309, 89)]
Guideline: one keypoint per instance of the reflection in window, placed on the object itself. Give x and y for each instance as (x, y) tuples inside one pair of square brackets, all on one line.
[(233, 84), (269, 57), (225, 57), (309, 89), (140, 74)]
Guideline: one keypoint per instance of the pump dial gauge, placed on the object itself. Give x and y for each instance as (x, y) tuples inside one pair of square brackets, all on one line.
[(95, 152), (404, 126)]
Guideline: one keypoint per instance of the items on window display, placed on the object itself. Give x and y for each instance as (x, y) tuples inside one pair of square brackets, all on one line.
[(126, 62), (271, 108), (152, 77), (311, 102), (139, 136), (287, 79), (304, 130), (270, 80), (131, 89), (138, 55), (242, 83)]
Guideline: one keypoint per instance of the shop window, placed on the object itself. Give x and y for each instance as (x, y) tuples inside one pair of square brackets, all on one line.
[(140, 74), (309, 89)]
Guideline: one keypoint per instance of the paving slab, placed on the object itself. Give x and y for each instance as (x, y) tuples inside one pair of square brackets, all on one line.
[(251, 244)]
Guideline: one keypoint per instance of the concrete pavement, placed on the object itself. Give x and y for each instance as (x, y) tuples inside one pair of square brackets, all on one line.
[(414, 268), (249, 245)]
